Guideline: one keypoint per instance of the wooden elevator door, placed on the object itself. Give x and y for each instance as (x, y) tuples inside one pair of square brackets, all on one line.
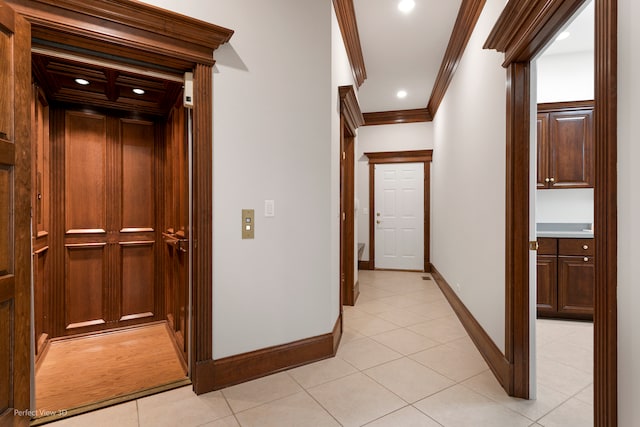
[(106, 221), (176, 227)]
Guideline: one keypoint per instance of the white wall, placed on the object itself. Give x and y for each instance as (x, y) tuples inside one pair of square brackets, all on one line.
[(565, 205), (273, 139), (468, 181), (374, 139), (628, 213), (565, 77)]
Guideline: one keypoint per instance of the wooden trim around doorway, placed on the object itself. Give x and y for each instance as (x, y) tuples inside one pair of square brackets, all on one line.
[(522, 30), (418, 156), (350, 119), (122, 29), (606, 216)]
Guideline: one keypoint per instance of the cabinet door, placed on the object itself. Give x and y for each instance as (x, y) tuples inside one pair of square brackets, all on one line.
[(547, 297), (576, 278), (542, 135), (571, 149)]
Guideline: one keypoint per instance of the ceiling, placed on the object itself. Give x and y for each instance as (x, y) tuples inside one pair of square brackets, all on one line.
[(108, 87), (402, 51), (405, 51)]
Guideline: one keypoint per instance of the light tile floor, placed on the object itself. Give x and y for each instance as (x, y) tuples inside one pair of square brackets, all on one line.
[(404, 360)]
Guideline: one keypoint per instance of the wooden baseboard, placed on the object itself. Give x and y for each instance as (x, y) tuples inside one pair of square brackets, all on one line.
[(364, 265), (490, 352), (216, 374)]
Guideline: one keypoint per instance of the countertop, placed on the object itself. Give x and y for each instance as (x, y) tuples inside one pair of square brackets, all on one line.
[(565, 230)]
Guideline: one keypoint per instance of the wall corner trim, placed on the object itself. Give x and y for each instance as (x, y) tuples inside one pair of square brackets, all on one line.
[(490, 352)]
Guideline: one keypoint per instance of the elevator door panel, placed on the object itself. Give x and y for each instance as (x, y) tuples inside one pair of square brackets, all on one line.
[(109, 222)]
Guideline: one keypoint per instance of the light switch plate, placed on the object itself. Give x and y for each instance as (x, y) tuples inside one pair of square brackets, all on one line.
[(248, 223), (269, 208)]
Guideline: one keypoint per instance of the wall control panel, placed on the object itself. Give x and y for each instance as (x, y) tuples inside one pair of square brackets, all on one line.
[(248, 218)]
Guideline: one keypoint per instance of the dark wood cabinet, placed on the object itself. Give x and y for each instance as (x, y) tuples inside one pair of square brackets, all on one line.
[(565, 278), (565, 145)]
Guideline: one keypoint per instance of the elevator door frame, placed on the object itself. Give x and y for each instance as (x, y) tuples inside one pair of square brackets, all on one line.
[(127, 32)]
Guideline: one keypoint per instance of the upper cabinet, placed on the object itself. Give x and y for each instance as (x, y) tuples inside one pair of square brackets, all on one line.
[(565, 145)]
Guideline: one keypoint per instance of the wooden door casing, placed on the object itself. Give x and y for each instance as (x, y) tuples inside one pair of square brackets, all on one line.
[(106, 228), (15, 218)]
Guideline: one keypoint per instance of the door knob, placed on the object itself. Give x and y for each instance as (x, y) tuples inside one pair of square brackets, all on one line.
[(377, 213), (378, 222)]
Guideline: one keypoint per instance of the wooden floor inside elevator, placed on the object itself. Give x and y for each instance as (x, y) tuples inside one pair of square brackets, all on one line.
[(83, 373)]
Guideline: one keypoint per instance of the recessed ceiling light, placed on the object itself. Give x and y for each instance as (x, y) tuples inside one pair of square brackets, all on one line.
[(401, 94), (406, 6), (138, 91), (82, 82), (563, 35)]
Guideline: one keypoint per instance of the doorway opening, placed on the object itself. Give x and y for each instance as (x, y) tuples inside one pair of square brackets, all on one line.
[(422, 157), (110, 180), (521, 33), (156, 43), (563, 219)]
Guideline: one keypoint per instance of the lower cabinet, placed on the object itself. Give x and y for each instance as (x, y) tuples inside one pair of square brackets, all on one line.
[(566, 278)]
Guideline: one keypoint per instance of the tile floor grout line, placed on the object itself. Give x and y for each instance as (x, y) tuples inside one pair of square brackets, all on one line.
[(321, 405), (138, 413)]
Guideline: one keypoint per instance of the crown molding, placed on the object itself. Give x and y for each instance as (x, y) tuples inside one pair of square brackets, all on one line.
[(398, 116), (463, 28), (346, 14)]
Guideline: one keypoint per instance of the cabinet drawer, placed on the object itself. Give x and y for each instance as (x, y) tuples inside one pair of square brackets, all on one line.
[(576, 247), (547, 246)]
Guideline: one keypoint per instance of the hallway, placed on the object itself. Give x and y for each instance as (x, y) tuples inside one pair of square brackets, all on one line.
[(404, 360)]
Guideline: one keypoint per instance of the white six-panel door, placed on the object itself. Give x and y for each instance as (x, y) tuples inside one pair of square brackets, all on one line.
[(399, 216)]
